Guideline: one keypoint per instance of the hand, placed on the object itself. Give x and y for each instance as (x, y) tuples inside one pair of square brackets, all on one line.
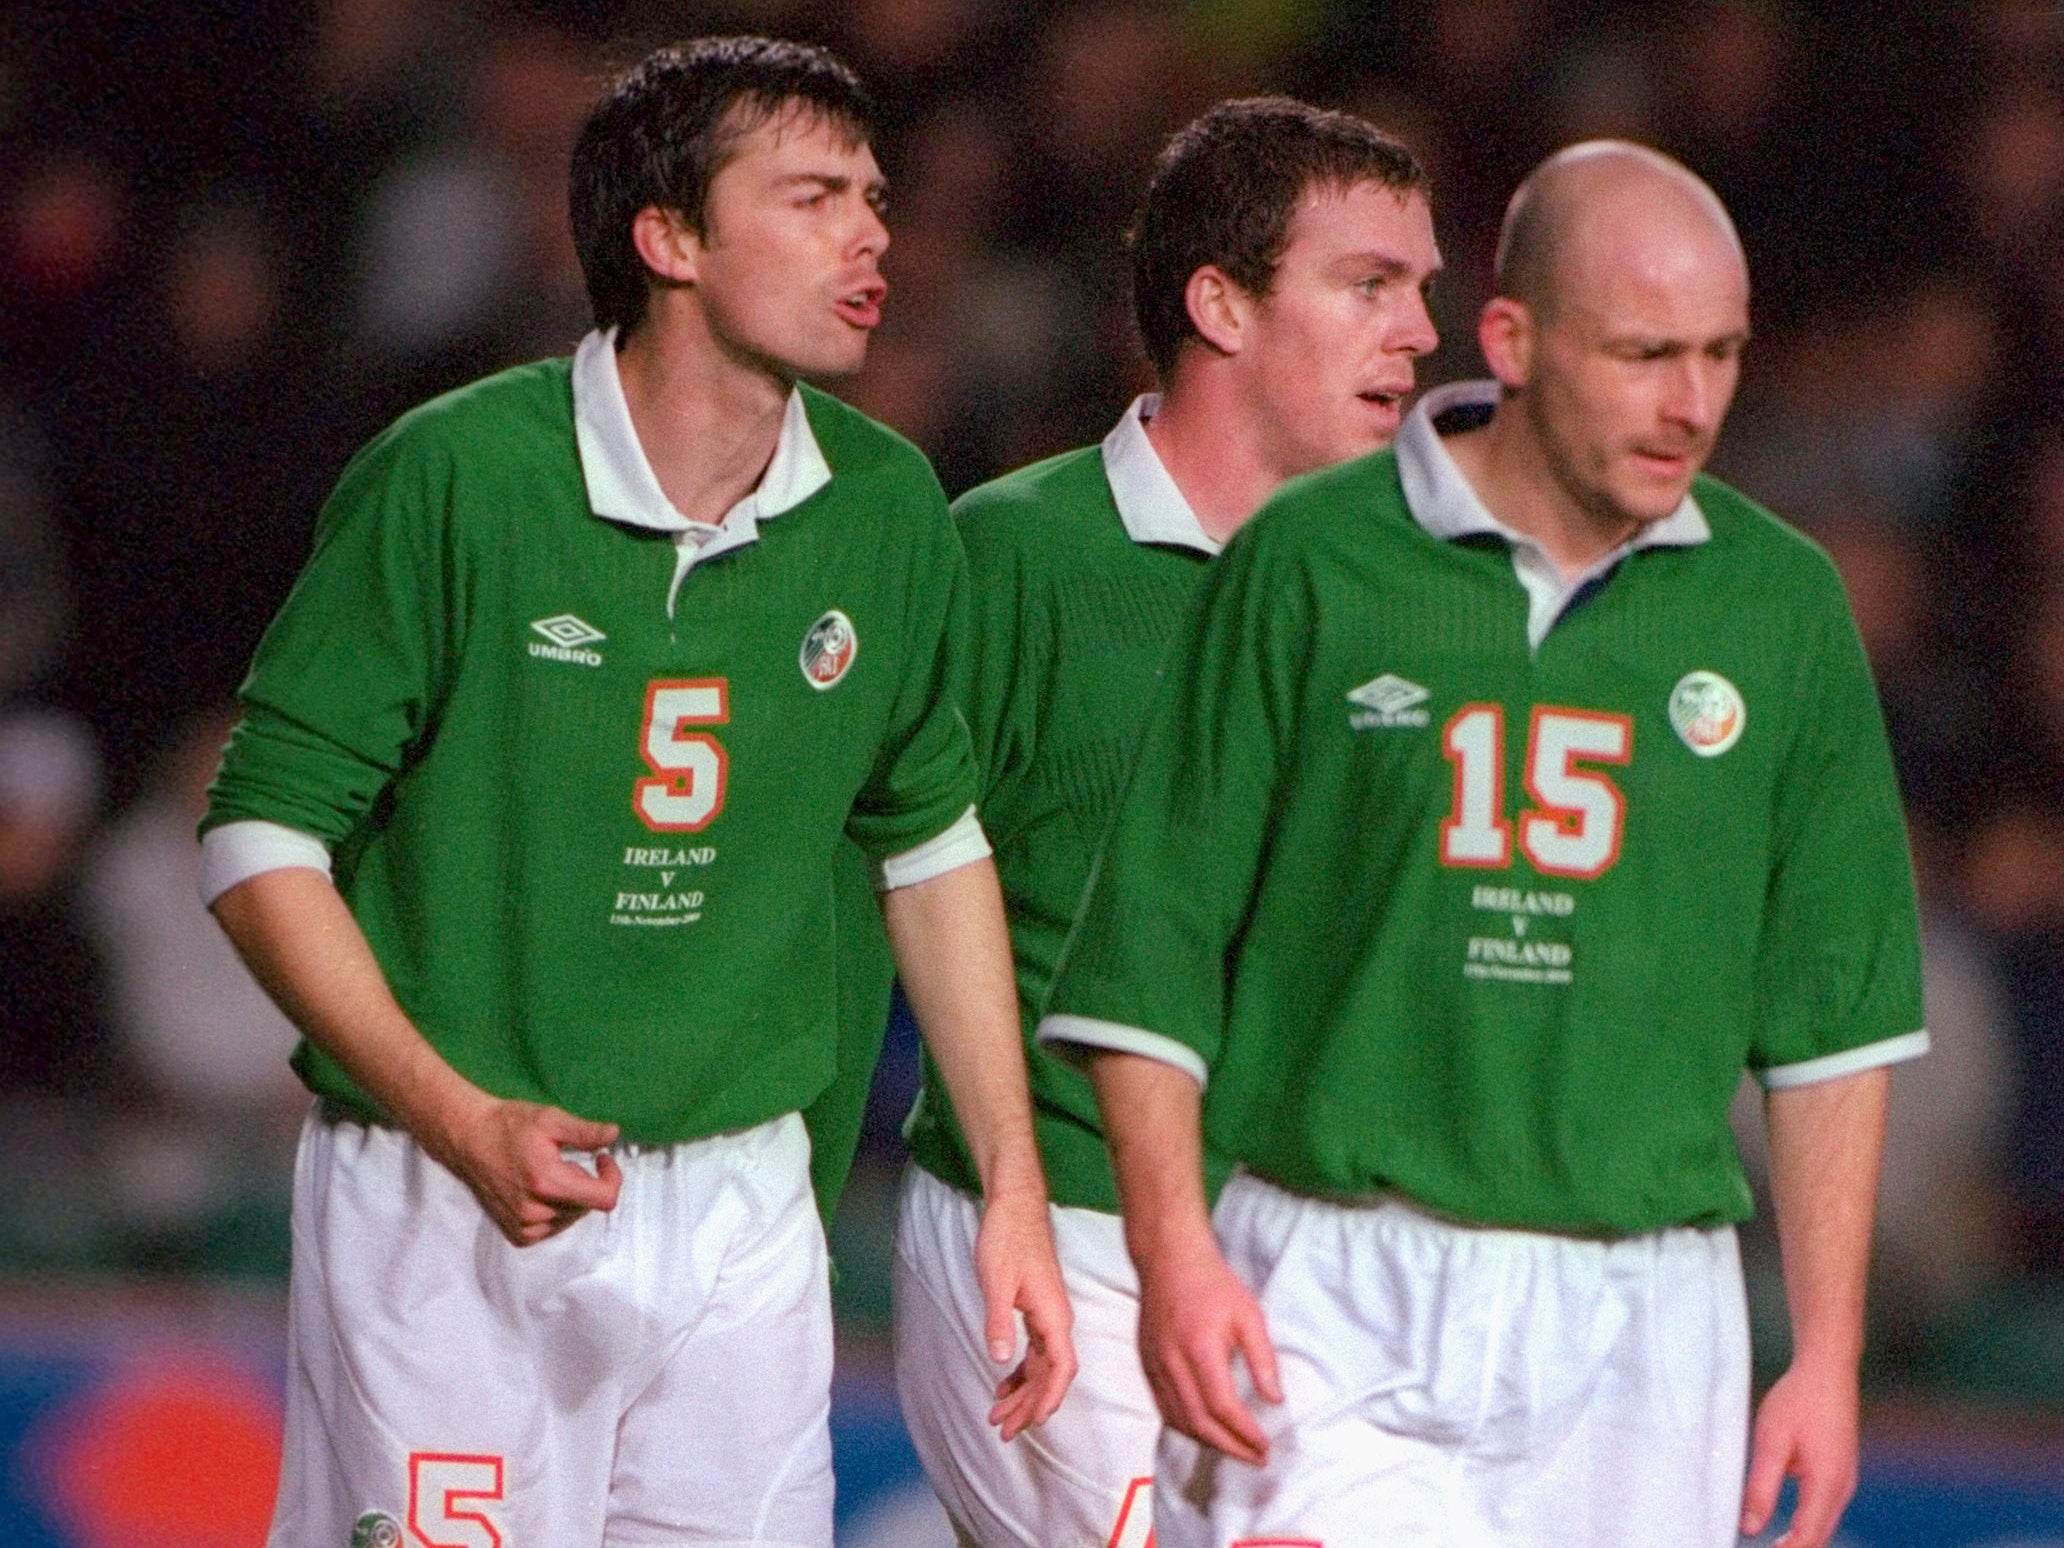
[(1195, 1312), (1019, 1274), (509, 1155), (1806, 1428)]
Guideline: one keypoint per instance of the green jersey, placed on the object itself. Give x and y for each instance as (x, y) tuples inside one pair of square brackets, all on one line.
[(1485, 890), (584, 765), (1083, 568)]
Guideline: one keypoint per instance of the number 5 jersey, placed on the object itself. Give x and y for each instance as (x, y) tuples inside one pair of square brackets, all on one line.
[(583, 765)]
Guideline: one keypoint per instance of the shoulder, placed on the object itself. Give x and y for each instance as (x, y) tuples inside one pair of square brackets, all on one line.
[(499, 421), (1761, 546), (859, 448), (1063, 498)]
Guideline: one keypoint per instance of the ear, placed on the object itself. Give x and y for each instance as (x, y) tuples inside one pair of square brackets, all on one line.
[(1507, 333), (1219, 309), (669, 249)]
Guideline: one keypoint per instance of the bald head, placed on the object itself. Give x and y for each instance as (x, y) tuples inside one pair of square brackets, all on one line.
[(1606, 204)]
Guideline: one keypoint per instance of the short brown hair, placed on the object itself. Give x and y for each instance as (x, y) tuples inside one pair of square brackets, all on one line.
[(1223, 191), (663, 131)]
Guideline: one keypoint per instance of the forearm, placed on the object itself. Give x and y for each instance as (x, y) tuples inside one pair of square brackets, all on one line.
[(1153, 1124), (300, 941), (953, 956), (1825, 1144)]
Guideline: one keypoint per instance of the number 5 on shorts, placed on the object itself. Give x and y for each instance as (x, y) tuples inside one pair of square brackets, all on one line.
[(440, 1486)]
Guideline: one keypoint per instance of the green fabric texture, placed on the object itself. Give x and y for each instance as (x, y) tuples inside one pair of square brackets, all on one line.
[(1071, 622), (1505, 1042), (600, 876)]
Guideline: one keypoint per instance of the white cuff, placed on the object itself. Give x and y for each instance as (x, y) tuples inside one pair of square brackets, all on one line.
[(238, 851), (1077, 1032), (1850, 1061), (962, 844)]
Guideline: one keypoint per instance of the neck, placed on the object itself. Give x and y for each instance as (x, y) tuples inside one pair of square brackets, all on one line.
[(1512, 475), (706, 419), (1208, 443)]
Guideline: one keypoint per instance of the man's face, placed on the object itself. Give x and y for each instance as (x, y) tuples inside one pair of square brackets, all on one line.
[(1334, 339), (1632, 373), (788, 267)]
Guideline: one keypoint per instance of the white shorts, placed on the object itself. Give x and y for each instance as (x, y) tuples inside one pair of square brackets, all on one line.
[(1082, 1479), (1464, 1387), (660, 1374)]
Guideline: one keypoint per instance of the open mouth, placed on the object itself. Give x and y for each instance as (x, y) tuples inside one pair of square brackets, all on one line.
[(863, 307), (1392, 399)]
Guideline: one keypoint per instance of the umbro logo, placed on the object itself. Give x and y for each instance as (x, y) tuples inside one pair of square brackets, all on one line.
[(1388, 700), (567, 636)]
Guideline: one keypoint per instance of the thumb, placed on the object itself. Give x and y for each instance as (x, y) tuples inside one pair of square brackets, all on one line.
[(1766, 1477), (999, 1326), (580, 1133)]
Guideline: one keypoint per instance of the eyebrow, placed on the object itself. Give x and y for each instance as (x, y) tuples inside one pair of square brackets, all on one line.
[(1386, 265), (833, 182)]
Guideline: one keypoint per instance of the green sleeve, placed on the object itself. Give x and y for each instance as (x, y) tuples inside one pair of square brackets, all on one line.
[(1178, 865), (347, 680), (923, 779), (1838, 963)]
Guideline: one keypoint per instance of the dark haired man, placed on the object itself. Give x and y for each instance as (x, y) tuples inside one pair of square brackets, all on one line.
[(595, 665), (1546, 790), (1280, 259)]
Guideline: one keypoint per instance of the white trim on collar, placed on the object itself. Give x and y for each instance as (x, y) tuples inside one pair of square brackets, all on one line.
[(1149, 503), (1445, 504), (622, 486)]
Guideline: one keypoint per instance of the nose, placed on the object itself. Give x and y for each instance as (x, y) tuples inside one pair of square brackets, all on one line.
[(1698, 391), (871, 237), (1414, 333)]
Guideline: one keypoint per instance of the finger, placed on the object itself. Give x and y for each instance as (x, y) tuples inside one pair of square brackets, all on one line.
[(1012, 1413), (1766, 1475), (1041, 1381), (1195, 1417), (564, 1183), (1222, 1401), (1820, 1506), (1050, 1362), (579, 1133), (1000, 1322), (1259, 1351), (610, 1175)]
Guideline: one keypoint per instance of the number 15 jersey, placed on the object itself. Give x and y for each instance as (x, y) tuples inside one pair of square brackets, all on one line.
[(1448, 887)]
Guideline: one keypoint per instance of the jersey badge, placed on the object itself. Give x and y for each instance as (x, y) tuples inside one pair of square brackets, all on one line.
[(376, 1529), (1388, 700), (567, 639), (1707, 712), (828, 649)]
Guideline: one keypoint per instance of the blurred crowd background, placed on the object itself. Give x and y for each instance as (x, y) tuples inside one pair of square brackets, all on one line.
[(238, 236)]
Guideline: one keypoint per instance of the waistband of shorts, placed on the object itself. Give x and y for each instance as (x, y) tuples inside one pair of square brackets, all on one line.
[(1381, 1198), (330, 1110)]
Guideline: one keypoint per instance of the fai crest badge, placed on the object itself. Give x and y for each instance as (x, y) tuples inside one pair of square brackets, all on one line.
[(828, 649), (1707, 712), (376, 1529)]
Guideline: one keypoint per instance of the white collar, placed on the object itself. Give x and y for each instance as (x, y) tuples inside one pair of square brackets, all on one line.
[(1445, 504), (622, 486), (1149, 503)]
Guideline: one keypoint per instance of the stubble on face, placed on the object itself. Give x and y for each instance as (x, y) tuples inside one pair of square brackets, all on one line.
[(1639, 329)]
